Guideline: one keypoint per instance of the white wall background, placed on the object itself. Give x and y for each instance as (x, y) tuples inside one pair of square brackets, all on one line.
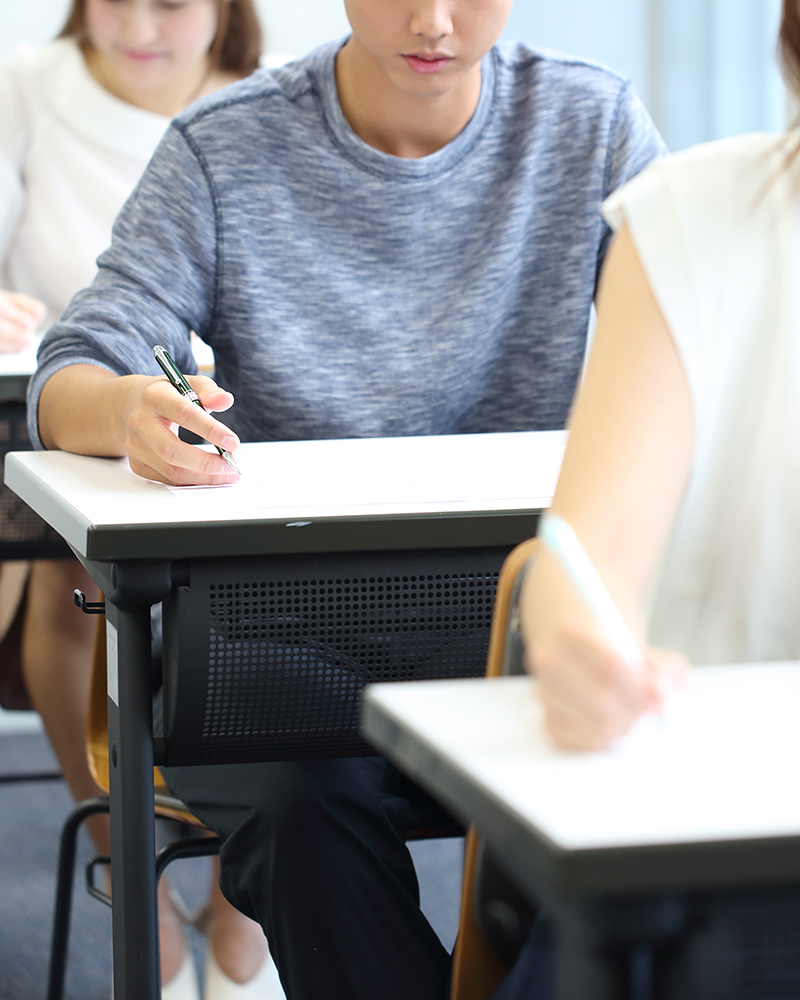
[(705, 68), (292, 25), (30, 22), (715, 69), (299, 25), (614, 32)]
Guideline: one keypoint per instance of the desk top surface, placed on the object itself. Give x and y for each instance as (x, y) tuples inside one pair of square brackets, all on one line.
[(491, 485), (723, 765)]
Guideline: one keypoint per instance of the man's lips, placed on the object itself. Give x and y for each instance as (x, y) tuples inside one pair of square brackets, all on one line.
[(427, 62)]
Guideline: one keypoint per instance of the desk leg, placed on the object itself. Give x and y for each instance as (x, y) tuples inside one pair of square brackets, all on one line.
[(587, 969), (597, 940), (130, 744)]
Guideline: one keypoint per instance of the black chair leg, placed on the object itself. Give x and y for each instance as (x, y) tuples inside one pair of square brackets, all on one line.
[(63, 906), (191, 847)]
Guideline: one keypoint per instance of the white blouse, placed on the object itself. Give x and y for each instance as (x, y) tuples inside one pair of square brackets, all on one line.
[(70, 154), (718, 232)]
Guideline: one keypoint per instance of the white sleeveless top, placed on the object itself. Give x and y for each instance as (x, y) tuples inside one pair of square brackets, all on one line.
[(70, 154), (718, 232)]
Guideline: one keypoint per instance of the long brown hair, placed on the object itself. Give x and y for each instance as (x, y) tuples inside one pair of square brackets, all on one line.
[(789, 44), (237, 44)]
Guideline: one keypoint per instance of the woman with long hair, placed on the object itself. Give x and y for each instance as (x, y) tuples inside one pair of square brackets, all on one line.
[(79, 120)]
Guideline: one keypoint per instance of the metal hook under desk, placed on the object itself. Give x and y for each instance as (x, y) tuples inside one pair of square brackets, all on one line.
[(88, 607)]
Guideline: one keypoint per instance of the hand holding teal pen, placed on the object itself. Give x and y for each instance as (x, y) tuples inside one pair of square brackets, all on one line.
[(596, 678), (560, 540), (178, 380)]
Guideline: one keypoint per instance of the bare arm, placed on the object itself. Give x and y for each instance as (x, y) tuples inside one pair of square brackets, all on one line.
[(88, 410), (624, 474)]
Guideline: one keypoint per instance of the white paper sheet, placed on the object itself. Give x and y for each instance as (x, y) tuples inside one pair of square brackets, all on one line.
[(472, 472)]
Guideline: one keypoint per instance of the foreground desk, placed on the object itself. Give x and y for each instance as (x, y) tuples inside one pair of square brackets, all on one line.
[(685, 837), (362, 560)]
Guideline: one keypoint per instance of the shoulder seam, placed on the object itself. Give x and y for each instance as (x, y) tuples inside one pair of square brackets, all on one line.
[(229, 102), (218, 237), (612, 133), (565, 59)]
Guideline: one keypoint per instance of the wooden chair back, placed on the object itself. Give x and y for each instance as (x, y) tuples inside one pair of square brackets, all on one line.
[(97, 735), (477, 971)]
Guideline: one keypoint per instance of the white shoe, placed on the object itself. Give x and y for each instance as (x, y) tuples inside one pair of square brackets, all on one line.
[(183, 985), (265, 984)]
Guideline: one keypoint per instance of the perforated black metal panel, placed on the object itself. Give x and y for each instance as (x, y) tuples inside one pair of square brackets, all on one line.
[(281, 648), (737, 946), (769, 948), (23, 534)]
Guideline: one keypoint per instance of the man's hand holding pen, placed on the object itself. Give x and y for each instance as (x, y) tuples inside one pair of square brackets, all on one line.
[(140, 418), (151, 419), (178, 381)]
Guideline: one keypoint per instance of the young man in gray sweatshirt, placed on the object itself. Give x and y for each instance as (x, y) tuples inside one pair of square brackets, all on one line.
[(396, 235)]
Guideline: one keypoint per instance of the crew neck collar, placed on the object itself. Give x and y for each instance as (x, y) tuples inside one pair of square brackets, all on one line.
[(324, 72)]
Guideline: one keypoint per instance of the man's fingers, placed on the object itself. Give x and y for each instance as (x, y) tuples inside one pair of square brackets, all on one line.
[(193, 418), (150, 436), (160, 397), (167, 459), (175, 476), (211, 395), (217, 401), (175, 461)]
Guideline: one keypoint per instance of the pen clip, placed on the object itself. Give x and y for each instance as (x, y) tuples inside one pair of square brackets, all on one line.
[(171, 370)]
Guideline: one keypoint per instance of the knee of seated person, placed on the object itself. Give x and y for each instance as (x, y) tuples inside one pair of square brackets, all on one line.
[(283, 801), (343, 799), (305, 798)]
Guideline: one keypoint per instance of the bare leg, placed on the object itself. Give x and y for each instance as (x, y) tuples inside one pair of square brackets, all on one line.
[(238, 943), (12, 583), (57, 645)]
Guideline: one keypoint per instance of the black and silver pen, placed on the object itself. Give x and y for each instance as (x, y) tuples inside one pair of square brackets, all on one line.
[(178, 380)]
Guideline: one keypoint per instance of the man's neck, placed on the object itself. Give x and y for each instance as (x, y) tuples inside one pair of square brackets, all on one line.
[(395, 122)]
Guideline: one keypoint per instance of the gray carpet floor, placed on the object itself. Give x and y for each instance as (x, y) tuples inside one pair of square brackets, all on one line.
[(31, 815)]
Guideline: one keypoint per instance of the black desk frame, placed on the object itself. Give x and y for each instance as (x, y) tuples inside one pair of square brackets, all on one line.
[(131, 586)]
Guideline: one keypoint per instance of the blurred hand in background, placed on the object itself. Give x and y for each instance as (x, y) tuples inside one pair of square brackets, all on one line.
[(20, 315)]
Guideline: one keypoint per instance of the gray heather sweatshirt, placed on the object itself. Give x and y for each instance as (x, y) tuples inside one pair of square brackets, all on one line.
[(349, 293)]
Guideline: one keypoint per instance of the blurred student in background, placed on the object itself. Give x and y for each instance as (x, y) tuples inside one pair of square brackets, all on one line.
[(79, 120), (683, 464)]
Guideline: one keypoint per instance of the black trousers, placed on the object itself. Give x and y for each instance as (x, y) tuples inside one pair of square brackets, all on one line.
[(316, 853)]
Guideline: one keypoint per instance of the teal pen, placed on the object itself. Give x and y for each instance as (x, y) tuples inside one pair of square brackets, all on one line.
[(559, 538), (178, 380)]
